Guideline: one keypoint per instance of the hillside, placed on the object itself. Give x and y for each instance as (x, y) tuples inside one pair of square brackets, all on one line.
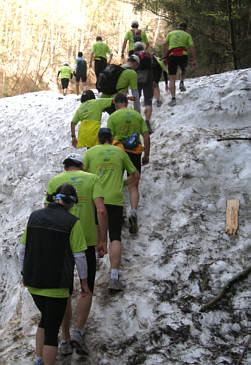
[(184, 189)]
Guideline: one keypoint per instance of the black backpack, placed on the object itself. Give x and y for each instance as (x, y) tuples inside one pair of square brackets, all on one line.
[(136, 35), (107, 80)]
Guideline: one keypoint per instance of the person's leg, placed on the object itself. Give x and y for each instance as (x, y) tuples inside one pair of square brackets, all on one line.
[(84, 303), (148, 112), (39, 342), (40, 304), (53, 316), (66, 324), (172, 79), (148, 97), (77, 87), (156, 90), (133, 190), (183, 64), (115, 220)]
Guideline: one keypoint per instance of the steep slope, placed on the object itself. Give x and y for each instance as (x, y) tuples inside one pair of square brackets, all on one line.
[(157, 320)]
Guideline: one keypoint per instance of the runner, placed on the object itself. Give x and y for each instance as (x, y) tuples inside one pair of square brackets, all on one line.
[(158, 68), (175, 51), (51, 237), (123, 124), (145, 80), (134, 35), (109, 162), (65, 75), (127, 79), (99, 54), (89, 114), (90, 195), (80, 71)]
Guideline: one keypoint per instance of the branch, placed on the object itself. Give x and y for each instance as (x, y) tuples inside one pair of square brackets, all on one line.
[(242, 275), (233, 138)]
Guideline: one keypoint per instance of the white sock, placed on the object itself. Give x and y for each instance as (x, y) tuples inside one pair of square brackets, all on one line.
[(79, 331), (114, 274), (133, 211), (38, 358)]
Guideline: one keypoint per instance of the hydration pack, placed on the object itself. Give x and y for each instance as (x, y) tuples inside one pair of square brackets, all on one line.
[(136, 35), (107, 80)]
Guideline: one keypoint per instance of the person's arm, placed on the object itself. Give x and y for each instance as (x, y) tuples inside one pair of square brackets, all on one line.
[(82, 268), (194, 56), (123, 49), (91, 59), (110, 59), (58, 74), (74, 140), (147, 45), (146, 138), (135, 93), (102, 222), (165, 52)]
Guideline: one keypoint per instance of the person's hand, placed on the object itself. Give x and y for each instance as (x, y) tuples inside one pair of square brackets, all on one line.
[(167, 88), (74, 142), (102, 249), (165, 60), (84, 288), (132, 98), (122, 55), (145, 160)]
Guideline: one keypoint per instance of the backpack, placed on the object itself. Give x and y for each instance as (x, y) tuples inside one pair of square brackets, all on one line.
[(145, 60), (107, 80), (81, 67), (136, 35)]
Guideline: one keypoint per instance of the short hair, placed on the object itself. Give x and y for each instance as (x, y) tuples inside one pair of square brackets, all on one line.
[(138, 46), (87, 95), (80, 54), (183, 26), (105, 135), (98, 38), (69, 194), (121, 99), (71, 163), (134, 24)]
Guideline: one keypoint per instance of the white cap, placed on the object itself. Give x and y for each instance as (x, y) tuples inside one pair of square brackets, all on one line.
[(135, 58), (74, 157)]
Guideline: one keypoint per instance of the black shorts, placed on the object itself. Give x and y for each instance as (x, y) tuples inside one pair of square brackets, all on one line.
[(52, 311), (81, 77), (99, 66), (91, 262), (136, 160), (174, 62), (115, 220), (147, 91), (157, 72), (64, 83)]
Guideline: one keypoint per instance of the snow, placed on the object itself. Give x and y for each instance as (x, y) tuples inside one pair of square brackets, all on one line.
[(182, 229)]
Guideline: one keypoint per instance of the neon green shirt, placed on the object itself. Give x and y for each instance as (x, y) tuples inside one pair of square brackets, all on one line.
[(100, 49), (127, 78), (88, 188), (91, 110), (161, 63), (65, 72), (179, 38), (129, 37), (78, 244), (109, 163), (124, 122)]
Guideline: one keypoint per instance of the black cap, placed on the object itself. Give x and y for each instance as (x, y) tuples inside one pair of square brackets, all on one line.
[(105, 132)]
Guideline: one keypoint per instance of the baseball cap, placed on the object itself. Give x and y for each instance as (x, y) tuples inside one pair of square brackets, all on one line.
[(135, 58), (105, 132), (134, 23), (74, 157)]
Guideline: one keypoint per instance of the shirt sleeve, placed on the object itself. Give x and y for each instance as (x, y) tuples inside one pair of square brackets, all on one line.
[(97, 189), (133, 80), (77, 238), (144, 37), (110, 125), (190, 40), (86, 161), (76, 118), (127, 36), (23, 238)]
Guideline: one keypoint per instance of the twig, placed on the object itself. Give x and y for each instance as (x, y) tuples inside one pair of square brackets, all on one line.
[(230, 283), (233, 138), (244, 351)]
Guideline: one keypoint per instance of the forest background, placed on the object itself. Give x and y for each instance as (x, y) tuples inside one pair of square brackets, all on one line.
[(37, 37)]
